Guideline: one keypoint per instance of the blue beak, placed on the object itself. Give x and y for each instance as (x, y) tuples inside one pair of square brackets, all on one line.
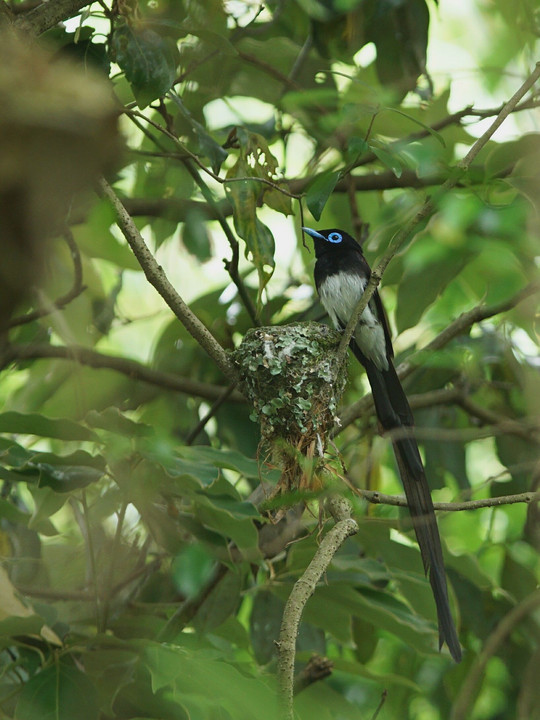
[(313, 233)]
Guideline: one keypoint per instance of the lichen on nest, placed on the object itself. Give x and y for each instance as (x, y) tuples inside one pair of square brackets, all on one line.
[(289, 374)]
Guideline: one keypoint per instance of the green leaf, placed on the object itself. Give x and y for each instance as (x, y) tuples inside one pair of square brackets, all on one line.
[(233, 519), (34, 424), (264, 625), (220, 604), (223, 458), (195, 235), (95, 239), (257, 236), (60, 692), (148, 60), (113, 420), (319, 191), (203, 685), (431, 266), (356, 147), (191, 569), (67, 478), (389, 159)]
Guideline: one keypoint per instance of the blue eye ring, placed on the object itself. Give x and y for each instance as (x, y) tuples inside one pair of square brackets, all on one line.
[(335, 237)]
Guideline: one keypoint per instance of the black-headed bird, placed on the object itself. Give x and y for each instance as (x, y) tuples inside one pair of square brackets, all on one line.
[(341, 275)]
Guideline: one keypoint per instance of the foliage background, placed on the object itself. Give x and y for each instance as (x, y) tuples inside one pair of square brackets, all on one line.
[(135, 580)]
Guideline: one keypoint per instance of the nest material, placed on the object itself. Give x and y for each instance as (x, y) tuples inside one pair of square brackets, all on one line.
[(289, 375)]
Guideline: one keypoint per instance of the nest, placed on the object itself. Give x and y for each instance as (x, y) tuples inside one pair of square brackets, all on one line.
[(289, 375)]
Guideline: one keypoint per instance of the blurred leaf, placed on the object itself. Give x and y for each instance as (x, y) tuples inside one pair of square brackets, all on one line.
[(9, 603), (443, 457), (221, 603), (95, 239), (195, 236), (113, 420), (111, 669), (232, 519), (356, 147), (413, 119), (264, 625), (223, 458), (365, 639), (56, 693), (148, 60), (388, 158), (66, 478), (431, 267), (191, 569), (400, 33), (34, 424), (192, 674)]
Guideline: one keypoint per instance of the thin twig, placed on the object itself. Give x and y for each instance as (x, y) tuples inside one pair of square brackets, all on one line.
[(133, 369), (186, 153), (76, 289), (190, 607), (209, 415), (230, 265), (156, 277), (379, 707), (378, 498)]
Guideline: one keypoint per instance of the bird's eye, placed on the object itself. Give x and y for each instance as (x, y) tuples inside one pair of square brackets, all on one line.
[(335, 237)]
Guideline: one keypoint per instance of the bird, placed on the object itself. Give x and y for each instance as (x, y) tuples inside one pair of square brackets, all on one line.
[(341, 275)]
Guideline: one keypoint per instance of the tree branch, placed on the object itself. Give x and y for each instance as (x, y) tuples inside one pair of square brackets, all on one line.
[(177, 209), (187, 156), (131, 368), (156, 277), (303, 589), (426, 211), (318, 668), (526, 431), (377, 498), (47, 15)]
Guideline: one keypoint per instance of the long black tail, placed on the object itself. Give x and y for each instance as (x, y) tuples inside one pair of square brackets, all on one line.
[(394, 413)]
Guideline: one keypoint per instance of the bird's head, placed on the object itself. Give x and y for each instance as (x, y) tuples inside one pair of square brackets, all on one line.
[(332, 240)]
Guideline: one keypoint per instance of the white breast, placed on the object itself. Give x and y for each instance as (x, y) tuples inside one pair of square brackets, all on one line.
[(339, 294)]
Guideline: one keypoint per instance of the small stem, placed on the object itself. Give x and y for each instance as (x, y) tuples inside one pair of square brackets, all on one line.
[(303, 589), (156, 277)]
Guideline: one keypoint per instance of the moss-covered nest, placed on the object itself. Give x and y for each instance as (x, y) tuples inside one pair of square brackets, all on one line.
[(289, 375)]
